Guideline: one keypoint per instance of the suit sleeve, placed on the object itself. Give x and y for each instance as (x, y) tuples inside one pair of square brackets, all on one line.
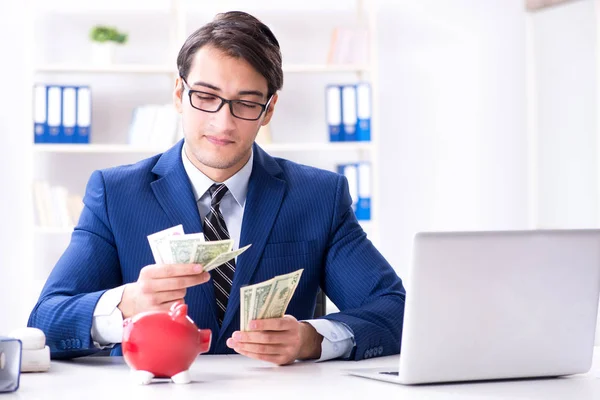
[(362, 284), (88, 267)]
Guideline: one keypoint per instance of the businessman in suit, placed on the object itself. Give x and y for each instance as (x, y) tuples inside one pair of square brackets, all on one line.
[(219, 182)]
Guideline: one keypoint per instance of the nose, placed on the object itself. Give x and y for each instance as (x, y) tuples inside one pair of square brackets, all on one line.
[(223, 120)]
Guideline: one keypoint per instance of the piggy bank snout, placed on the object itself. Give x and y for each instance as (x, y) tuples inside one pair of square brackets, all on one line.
[(204, 339)]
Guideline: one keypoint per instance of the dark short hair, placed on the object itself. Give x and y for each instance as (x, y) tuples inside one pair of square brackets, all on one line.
[(240, 35)]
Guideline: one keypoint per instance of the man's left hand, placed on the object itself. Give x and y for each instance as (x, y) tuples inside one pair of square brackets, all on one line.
[(278, 340)]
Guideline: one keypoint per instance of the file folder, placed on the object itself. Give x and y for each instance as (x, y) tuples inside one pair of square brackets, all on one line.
[(84, 115), (333, 102), (363, 208), (54, 117), (363, 110), (40, 126), (69, 113), (349, 117)]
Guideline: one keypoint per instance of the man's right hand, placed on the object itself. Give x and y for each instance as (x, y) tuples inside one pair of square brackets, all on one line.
[(159, 286)]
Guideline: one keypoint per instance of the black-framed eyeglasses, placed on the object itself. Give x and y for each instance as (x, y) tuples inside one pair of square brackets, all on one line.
[(211, 103)]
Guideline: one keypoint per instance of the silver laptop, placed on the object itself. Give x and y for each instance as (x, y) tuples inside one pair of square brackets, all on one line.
[(498, 305)]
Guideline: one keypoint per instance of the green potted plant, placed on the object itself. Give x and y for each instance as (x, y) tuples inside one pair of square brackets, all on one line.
[(104, 40)]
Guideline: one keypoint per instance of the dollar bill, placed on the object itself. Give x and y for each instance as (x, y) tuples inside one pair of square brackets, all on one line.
[(190, 249), (158, 239), (261, 295), (246, 294), (268, 299), (224, 257), (281, 293)]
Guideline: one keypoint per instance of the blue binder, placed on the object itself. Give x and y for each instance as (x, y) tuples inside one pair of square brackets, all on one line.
[(363, 208), (84, 115), (333, 104), (53, 113), (40, 126), (349, 113), (363, 111), (69, 114)]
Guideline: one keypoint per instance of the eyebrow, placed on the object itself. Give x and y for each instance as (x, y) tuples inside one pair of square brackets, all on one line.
[(240, 93)]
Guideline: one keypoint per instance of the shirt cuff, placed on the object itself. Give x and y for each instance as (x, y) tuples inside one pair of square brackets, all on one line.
[(338, 338), (107, 322)]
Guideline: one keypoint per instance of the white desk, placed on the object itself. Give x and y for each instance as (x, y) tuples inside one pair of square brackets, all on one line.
[(238, 377)]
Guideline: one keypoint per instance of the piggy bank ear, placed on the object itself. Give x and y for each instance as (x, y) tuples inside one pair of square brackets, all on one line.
[(179, 310)]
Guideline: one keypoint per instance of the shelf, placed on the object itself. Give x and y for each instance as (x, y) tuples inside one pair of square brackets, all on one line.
[(107, 69), (171, 70), (50, 230), (95, 148), (320, 68), (127, 149)]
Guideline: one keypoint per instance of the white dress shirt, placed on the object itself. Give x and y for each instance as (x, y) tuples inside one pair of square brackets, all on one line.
[(107, 322)]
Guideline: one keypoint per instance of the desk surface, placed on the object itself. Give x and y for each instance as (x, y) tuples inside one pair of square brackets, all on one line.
[(234, 376)]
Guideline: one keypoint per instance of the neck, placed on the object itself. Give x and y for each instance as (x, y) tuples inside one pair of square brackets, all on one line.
[(218, 175)]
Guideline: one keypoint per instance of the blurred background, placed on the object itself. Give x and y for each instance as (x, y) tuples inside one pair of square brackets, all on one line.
[(481, 114)]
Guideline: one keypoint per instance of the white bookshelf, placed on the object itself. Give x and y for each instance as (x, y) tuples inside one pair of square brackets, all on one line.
[(170, 69), (269, 147), (108, 148)]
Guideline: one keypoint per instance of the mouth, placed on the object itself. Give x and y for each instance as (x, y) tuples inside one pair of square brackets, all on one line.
[(219, 141)]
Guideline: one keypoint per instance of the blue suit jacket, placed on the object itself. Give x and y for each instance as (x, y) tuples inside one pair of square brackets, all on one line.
[(295, 217)]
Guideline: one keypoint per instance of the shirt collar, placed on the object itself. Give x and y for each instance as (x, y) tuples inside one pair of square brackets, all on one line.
[(237, 184)]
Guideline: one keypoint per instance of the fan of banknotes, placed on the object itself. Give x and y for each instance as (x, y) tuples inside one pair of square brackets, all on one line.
[(173, 246), (264, 300), (268, 299)]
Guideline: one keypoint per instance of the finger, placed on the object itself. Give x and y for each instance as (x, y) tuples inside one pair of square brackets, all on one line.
[(175, 283), (275, 359), (262, 337), (269, 349), (271, 324), (170, 270)]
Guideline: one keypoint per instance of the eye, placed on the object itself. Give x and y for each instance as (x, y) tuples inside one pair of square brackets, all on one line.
[(248, 105), (205, 97)]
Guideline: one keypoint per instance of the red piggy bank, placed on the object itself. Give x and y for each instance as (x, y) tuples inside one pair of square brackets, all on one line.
[(163, 344)]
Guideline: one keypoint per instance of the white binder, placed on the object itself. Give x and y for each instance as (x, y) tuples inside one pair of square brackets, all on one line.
[(349, 116), (333, 100), (84, 114), (69, 110), (54, 113), (363, 109), (39, 114)]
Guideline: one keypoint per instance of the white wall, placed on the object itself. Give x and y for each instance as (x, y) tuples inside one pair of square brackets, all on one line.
[(14, 182), (566, 85), (453, 113)]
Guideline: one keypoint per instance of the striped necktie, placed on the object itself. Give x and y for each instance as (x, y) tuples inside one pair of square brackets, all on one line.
[(215, 229)]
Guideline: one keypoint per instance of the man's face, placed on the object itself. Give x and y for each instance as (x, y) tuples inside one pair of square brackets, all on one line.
[(219, 144)]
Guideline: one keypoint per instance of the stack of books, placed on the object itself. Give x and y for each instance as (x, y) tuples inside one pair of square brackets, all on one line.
[(55, 206)]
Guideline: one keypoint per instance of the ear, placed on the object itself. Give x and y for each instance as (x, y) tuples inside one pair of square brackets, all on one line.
[(269, 112), (178, 95)]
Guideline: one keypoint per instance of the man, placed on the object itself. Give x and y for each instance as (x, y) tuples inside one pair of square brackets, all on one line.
[(294, 216)]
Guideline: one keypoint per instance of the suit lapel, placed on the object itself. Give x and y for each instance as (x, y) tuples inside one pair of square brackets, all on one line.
[(174, 193), (265, 194)]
